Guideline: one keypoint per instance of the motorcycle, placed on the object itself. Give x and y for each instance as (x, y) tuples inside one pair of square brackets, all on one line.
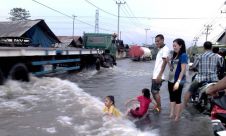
[(200, 99), (215, 107), (218, 114)]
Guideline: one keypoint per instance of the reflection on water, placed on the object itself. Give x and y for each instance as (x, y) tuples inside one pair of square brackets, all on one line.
[(73, 106)]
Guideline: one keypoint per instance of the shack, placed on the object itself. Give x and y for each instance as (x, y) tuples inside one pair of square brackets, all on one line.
[(70, 41), (35, 33), (29, 47)]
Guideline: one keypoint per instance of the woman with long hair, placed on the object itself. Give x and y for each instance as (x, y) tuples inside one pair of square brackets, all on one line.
[(177, 78)]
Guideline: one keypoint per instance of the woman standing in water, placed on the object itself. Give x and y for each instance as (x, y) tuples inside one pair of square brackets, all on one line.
[(177, 64)]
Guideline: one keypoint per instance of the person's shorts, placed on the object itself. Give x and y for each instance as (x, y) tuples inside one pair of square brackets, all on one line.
[(194, 87), (134, 113), (155, 87)]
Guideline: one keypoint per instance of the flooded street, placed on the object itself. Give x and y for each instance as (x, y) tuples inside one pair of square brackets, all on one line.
[(71, 105)]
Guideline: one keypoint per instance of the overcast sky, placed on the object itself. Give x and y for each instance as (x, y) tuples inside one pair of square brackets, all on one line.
[(172, 18)]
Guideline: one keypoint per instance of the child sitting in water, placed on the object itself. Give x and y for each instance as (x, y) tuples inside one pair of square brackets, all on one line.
[(110, 108), (144, 101)]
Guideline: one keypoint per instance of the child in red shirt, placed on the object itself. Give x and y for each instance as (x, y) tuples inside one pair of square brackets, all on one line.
[(144, 101)]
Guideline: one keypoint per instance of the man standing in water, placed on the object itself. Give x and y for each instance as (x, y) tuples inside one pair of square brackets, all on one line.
[(160, 64)]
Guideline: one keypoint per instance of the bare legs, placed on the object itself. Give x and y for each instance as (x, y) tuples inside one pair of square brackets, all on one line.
[(172, 109), (158, 100), (186, 98), (178, 109), (175, 110)]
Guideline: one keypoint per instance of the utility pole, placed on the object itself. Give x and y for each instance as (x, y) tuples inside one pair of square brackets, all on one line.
[(146, 31), (73, 25), (119, 3), (120, 35), (195, 40), (208, 28), (194, 48), (97, 22)]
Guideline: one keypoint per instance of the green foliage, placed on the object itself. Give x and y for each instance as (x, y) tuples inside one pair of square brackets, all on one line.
[(19, 14)]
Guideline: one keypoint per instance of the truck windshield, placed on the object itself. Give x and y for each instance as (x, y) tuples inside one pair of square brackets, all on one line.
[(95, 40)]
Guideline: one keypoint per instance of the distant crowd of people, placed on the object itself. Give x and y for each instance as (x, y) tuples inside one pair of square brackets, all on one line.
[(209, 66)]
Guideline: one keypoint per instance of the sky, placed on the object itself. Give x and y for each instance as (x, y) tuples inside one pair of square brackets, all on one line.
[(184, 19)]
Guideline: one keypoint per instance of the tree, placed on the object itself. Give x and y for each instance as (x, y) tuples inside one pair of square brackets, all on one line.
[(19, 14)]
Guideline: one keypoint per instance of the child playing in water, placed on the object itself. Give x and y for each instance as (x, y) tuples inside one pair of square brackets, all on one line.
[(110, 108), (144, 101)]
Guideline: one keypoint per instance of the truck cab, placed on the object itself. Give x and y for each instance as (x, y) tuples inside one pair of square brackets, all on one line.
[(104, 42)]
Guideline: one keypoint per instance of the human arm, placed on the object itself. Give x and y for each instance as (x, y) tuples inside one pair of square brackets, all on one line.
[(112, 111), (168, 62), (183, 70), (217, 87), (195, 64), (130, 100), (183, 62), (159, 77), (107, 112)]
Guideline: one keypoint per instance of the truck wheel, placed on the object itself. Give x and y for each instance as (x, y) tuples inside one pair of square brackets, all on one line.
[(114, 60), (111, 61), (2, 79), (19, 72)]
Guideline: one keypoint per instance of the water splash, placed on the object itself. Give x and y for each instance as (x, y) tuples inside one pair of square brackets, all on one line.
[(68, 106)]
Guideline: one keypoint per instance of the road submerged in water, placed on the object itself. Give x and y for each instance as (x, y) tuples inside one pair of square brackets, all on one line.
[(71, 105)]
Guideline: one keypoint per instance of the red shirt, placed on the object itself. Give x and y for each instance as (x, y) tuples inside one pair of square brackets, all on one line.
[(144, 105)]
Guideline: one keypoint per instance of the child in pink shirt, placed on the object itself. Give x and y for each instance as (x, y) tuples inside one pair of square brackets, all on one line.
[(144, 101)]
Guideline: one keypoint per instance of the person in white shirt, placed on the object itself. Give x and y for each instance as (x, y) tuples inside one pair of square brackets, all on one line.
[(160, 64)]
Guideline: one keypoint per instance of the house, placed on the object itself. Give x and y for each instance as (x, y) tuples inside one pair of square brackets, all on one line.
[(71, 41), (34, 33), (222, 39)]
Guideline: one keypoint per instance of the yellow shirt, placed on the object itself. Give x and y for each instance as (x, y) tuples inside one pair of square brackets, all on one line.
[(112, 110)]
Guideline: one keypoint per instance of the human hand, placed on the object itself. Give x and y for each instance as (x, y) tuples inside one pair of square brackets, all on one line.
[(210, 91), (176, 86), (167, 59), (126, 103), (158, 79)]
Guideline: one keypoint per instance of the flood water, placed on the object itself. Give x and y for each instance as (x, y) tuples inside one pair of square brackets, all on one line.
[(71, 105)]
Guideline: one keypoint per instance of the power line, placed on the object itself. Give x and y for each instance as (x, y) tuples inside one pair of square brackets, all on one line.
[(166, 18), (125, 11), (71, 17), (143, 17), (53, 9), (209, 22), (100, 8), (133, 15)]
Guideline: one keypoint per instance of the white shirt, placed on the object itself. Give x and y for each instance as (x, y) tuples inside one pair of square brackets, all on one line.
[(162, 53)]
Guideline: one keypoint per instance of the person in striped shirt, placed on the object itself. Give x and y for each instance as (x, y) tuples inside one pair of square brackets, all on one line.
[(206, 64)]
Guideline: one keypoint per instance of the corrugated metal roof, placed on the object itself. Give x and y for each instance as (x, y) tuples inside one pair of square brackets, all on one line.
[(71, 41), (16, 28), (222, 38), (66, 39), (19, 28)]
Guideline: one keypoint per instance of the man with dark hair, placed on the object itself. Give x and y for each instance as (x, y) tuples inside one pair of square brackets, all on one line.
[(215, 49), (207, 45), (158, 72), (220, 68), (206, 64)]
